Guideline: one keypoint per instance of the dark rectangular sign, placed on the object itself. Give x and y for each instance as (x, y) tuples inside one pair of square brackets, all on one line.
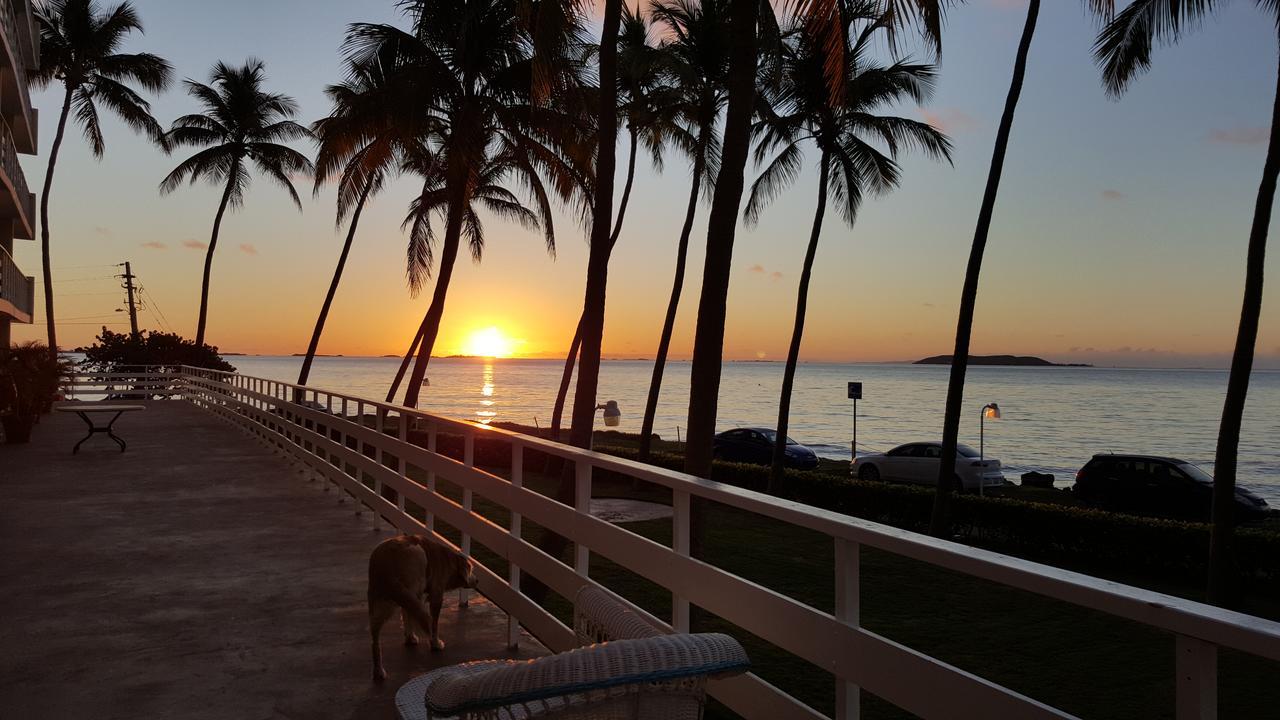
[(855, 391)]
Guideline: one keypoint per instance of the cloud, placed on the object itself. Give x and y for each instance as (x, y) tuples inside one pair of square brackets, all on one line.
[(1007, 4), (775, 275), (949, 120), (154, 245), (1240, 136), (928, 305), (756, 269), (194, 245), (1110, 194), (248, 249), (102, 230)]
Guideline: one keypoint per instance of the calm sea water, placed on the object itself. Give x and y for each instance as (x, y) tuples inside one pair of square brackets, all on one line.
[(1054, 419)]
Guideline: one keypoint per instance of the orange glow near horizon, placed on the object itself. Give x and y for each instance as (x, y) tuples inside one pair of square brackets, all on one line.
[(488, 342)]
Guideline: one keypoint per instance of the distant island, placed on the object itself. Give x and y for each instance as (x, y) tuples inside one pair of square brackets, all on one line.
[(1016, 360)]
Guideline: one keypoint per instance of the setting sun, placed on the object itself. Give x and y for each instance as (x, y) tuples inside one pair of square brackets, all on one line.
[(487, 342)]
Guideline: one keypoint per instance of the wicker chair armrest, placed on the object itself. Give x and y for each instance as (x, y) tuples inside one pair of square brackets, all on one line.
[(598, 616), (467, 688)]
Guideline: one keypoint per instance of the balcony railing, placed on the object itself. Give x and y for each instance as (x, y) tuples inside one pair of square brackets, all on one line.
[(16, 289), (362, 447), (21, 32), (21, 38), (24, 201)]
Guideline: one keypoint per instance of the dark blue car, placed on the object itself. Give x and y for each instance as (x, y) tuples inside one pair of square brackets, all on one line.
[(755, 445)]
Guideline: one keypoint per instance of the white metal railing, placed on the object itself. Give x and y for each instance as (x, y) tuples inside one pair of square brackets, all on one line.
[(22, 197), (287, 417), (15, 287)]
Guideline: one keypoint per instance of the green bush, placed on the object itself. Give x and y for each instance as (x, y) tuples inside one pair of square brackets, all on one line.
[(30, 380), (116, 352)]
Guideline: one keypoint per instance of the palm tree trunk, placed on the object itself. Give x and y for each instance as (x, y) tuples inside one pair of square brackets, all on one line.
[(797, 333), (940, 523), (557, 413), (333, 287), (208, 258), (431, 321), (44, 222), (404, 364), (584, 395), (722, 224), (669, 322), (1222, 589)]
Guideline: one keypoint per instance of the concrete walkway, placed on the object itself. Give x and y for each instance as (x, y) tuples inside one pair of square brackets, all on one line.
[(193, 576)]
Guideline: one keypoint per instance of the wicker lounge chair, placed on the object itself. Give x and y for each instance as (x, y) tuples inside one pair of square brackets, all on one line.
[(648, 675)]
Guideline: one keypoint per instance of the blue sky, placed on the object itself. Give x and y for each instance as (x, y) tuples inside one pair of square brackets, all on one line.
[(1119, 235)]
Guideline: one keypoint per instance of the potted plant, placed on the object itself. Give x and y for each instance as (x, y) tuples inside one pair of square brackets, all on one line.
[(29, 381)]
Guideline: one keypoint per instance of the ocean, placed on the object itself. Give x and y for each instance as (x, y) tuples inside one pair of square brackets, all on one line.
[(1053, 418)]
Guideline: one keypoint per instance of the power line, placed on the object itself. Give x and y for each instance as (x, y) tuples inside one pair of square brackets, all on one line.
[(156, 306)]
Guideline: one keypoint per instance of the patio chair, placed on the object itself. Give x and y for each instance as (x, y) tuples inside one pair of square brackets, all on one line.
[(627, 670)]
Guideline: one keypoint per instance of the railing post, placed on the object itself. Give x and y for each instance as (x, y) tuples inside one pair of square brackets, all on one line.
[(402, 431), (582, 502), (513, 570), (848, 601), (680, 543), (431, 475), (1196, 670), (468, 459)]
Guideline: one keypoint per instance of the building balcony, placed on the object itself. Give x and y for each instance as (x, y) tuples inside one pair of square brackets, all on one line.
[(19, 54), (16, 201), (17, 291)]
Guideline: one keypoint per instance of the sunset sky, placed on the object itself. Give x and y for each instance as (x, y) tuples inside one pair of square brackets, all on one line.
[(1119, 235)]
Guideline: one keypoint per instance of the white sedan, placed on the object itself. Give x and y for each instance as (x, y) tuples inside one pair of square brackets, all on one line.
[(917, 463)]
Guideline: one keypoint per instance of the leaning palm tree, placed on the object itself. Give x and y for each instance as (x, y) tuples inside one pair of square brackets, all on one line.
[(940, 522), (1123, 50), (363, 140), (801, 109), (242, 126), (698, 65), (79, 46)]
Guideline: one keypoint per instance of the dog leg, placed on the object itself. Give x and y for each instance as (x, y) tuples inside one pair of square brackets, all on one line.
[(379, 613), (411, 628), (436, 603)]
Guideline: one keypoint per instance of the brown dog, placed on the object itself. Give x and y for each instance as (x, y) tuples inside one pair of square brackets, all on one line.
[(403, 572)]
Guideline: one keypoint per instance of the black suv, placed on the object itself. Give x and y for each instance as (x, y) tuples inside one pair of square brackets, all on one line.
[(1153, 485)]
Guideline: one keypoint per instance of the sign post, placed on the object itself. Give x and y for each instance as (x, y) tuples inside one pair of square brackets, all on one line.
[(855, 394)]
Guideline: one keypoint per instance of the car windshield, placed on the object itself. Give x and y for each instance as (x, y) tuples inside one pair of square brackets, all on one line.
[(1196, 473), (966, 451), (772, 436)]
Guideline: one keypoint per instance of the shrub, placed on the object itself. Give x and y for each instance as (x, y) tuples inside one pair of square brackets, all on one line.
[(30, 378), (116, 352)]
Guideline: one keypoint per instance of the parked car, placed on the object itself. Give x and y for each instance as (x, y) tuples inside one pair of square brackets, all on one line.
[(755, 445), (1155, 485), (917, 463)]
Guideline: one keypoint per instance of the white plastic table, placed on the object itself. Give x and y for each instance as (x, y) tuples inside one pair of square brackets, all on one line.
[(85, 410)]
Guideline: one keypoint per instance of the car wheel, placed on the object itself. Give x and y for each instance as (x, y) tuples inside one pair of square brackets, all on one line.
[(869, 472)]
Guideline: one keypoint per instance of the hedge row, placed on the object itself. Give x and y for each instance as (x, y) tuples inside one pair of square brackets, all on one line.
[(1062, 535), (1079, 538)]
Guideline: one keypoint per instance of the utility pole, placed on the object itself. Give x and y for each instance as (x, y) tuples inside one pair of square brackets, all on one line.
[(133, 307)]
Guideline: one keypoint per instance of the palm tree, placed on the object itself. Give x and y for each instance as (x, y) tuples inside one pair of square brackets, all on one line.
[(649, 108), (242, 126), (79, 46), (478, 129), (363, 140), (801, 108), (698, 66), (940, 522), (745, 18), (1123, 50)]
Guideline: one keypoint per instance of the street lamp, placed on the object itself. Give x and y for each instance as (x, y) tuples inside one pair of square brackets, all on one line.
[(612, 415), (990, 410)]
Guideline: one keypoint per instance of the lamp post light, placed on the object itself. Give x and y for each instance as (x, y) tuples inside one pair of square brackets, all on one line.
[(612, 416), (990, 410)]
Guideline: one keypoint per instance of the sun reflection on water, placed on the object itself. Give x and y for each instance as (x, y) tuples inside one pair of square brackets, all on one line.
[(486, 413)]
